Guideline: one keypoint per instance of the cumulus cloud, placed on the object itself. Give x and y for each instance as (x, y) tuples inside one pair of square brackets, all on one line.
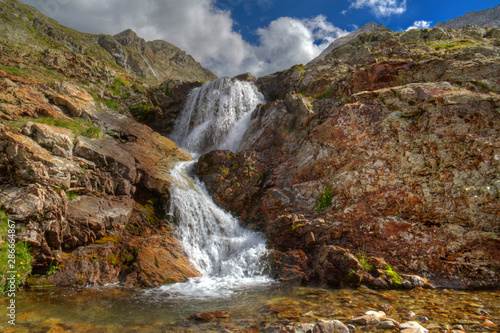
[(201, 29), (381, 8), (420, 25)]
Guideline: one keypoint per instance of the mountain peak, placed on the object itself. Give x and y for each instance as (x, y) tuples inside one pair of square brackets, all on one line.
[(486, 18), (369, 27)]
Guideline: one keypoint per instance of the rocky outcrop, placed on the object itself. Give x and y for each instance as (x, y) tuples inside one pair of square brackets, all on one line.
[(389, 149), (79, 183), (485, 18)]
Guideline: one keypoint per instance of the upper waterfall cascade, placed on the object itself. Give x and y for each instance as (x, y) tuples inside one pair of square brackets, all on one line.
[(226, 254), (216, 115)]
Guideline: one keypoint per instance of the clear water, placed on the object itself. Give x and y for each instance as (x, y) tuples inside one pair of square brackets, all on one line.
[(113, 309)]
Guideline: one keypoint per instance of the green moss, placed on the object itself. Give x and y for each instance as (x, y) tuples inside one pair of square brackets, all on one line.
[(78, 126), (325, 200), (108, 239), (396, 278), (452, 45)]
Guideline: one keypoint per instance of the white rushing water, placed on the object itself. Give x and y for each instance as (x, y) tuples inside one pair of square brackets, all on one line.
[(216, 115), (227, 255)]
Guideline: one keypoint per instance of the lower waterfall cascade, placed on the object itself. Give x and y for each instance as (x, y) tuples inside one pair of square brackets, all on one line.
[(227, 255)]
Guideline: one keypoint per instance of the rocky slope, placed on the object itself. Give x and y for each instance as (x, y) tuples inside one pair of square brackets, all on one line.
[(384, 152), (154, 61), (485, 18), (85, 183), (86, 187)]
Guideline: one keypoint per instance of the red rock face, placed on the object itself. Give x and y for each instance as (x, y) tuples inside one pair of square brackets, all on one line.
[(403, 171)]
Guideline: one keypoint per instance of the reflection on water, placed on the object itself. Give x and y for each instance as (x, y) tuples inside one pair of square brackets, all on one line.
[(114, 309)]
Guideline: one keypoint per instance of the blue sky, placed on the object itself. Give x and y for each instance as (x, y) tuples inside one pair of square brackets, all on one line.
[(252, 14), (259, 36)]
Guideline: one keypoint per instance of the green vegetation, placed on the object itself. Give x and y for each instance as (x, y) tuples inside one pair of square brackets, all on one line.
[(396, 278), (141, 111), (71, 195), (118, 86), (52, 269), (12, 70), (21, 260), (223, 171), (111, 104), (108, 239), (325, 200), (366, 265), (448, 45), (328, 93), (298, 68), (78, 126)]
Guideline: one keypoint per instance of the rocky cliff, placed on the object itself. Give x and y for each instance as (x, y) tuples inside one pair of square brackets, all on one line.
[(386, 151), (154, 61), (485, 18)]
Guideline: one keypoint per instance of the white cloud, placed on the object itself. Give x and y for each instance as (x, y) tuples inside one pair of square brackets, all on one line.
[(420, 25), (202, 30), (381, 8), (288, 41)]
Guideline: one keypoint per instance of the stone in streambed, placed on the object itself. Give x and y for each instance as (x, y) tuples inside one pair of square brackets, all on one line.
[(330, 327), (412, 327), (212, 315), (365, 320)]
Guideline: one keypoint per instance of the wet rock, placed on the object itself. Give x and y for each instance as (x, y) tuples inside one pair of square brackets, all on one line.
[(288, 267), (412, 327), (334, 264), (212, 315), (366, 320), (330, 327), (386, 325), (95, 264), (303, 328), (246, 77), (378, 314), (153, 260)]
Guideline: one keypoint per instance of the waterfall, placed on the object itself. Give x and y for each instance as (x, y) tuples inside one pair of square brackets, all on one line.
[(216, 115), (227, 255)]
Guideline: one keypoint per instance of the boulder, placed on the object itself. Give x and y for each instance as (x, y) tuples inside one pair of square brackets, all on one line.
[(246, 77), (333, 326), (334, 264)]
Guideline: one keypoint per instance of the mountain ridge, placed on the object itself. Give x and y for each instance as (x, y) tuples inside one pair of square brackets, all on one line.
[(485, 18), (24, 23)]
